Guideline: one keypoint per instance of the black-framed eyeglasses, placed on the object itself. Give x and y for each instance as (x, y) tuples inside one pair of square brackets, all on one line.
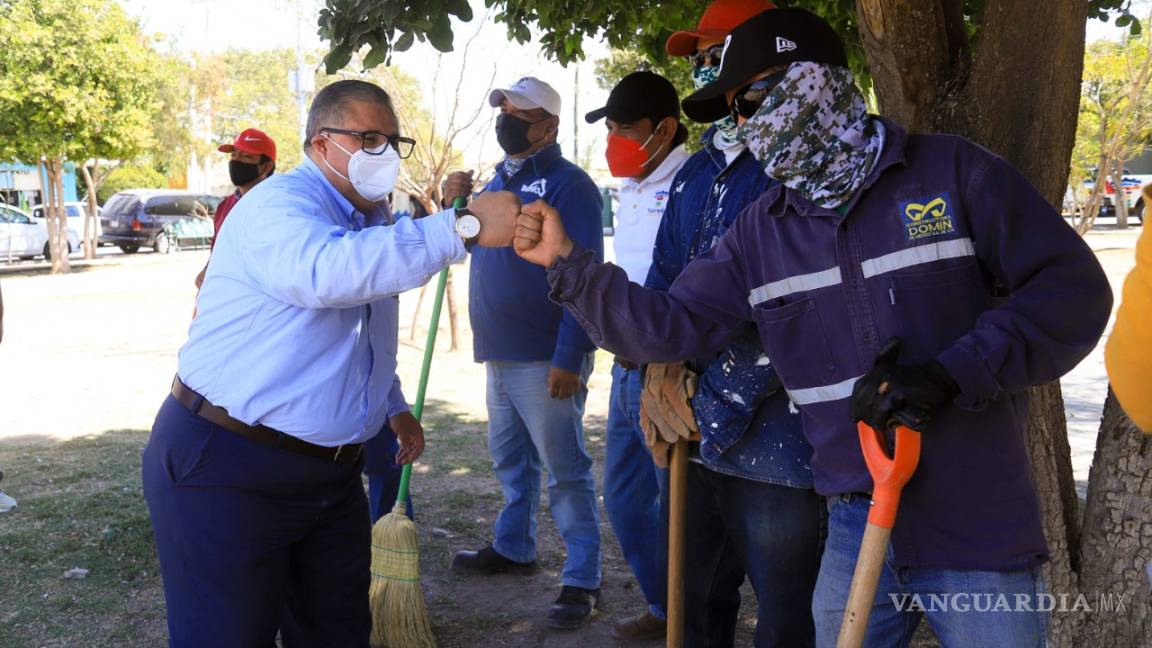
[(749, 98), (372, 142), (711, 56)]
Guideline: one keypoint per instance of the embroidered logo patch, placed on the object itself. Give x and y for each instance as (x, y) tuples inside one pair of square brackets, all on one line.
[(927, 217), (536, 187)]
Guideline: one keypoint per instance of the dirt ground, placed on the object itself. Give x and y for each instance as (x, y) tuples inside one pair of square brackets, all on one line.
[(86, 360)]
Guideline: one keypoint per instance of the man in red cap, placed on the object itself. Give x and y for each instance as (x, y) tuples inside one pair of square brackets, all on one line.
[(253, 160)]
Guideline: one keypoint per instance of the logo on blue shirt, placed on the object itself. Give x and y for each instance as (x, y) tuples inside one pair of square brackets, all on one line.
[(537, 187), (927, 217)]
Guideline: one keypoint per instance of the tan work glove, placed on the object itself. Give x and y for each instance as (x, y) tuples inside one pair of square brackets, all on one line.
[(666, 408)]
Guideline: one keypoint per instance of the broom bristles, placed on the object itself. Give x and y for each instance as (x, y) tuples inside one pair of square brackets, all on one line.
[(399, 616)]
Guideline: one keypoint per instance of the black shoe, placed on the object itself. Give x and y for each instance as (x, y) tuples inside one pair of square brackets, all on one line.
[(572, 607), (488, 561)]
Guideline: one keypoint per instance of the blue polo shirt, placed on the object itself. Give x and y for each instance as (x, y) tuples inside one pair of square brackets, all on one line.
[(513, 320)]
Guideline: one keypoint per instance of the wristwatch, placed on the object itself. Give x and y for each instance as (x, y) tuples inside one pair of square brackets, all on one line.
[(467, 227)]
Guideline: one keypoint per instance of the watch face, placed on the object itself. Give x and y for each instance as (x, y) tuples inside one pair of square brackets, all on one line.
[(468, 226)]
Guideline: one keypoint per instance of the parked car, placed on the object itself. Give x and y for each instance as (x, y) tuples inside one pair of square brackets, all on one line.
[(24, 236), (77, 211), (157, 218)]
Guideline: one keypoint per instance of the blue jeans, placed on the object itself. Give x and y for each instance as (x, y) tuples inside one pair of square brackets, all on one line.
[(771, 533), (247, 533), (529, 430), (632, 485), (896, 614), (383, 474)]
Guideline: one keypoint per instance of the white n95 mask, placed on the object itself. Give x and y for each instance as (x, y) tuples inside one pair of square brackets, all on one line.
[(373, 176)]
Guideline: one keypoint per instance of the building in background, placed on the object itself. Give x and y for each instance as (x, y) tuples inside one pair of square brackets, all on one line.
[(21, 187)]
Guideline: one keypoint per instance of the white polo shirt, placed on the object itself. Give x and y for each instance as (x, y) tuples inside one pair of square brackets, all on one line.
[(641, 206)]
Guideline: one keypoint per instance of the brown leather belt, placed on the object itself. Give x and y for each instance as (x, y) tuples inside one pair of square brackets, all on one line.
[(261, 434)]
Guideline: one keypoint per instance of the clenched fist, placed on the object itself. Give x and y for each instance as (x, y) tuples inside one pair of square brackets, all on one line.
[(540, 235), (456, 185), (497, 211)]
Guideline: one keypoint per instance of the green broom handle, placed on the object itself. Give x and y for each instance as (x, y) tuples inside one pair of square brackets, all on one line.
[(426, 367)]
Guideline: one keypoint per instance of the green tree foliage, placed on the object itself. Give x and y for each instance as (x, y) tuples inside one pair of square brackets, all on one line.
[(238, 89), (72, 89), (1115, 121), (171, 143), (130, 177), (639, 25)]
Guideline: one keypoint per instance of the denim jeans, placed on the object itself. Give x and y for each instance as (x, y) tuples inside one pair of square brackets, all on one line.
[(632, 485), (907, 594), (771, 533), (529, 430)]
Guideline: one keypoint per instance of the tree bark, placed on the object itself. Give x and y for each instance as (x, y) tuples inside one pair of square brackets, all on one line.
[(1117, 548), (1051, 459), (54, 214), (1121, 198), (453, 332), (914, 54), (416, 313), (90, 242), (1015, 97)]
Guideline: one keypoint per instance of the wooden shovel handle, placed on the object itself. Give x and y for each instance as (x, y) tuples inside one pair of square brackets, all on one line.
[(862, 594), (678, 508)]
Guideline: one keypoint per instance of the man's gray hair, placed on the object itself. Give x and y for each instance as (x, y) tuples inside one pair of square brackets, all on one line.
[(328, 105)]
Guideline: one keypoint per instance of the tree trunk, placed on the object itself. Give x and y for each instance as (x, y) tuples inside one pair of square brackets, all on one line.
[(416, 313), (1095, 199), (1117, 544), (1021, 111), (450, 294), (90, 239), (1059, 505), (56, 216), (1121, 198)]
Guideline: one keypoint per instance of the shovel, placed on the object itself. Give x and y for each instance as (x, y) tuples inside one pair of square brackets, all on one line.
[(678, 506), (889, 474)]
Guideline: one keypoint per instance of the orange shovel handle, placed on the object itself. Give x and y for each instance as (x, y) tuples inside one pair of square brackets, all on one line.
[(889, 473)]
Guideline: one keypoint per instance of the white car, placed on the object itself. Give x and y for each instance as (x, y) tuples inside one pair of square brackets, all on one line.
[(23, 236), (77, 211)]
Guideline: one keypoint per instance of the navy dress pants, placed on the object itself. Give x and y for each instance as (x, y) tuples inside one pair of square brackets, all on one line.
[(247, 533)]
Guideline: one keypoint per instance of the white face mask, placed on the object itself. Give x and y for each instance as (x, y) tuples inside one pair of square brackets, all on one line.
[(372, 176)]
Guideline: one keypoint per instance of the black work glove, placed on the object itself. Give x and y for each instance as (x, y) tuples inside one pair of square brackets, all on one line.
[(893, 394)]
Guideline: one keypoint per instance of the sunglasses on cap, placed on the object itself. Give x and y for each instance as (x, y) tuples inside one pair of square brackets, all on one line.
[(710, 57), (749, 98)]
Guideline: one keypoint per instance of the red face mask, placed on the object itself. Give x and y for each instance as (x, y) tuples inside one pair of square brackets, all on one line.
[(627, 157)]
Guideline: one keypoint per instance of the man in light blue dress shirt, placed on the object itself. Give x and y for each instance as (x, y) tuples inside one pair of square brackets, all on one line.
[(252, 472)]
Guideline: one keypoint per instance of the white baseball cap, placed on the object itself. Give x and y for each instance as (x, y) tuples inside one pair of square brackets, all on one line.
[(526, 94)]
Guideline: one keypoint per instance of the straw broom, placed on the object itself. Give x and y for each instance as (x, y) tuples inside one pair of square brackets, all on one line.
[(399, 616)]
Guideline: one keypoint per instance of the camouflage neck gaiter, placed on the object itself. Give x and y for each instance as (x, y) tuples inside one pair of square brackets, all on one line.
[(726, 127), (814, 134)]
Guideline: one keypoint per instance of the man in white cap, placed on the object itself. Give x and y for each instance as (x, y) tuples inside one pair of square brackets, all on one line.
[(538, 360)]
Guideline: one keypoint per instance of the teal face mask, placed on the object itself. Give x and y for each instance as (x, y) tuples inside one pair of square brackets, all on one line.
[(701, 77)]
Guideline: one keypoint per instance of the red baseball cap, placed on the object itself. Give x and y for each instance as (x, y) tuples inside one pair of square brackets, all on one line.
[(252, 141), (721, 17)]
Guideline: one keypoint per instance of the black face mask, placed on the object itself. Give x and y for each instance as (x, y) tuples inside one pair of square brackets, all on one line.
[(512, 133), (243, 173)]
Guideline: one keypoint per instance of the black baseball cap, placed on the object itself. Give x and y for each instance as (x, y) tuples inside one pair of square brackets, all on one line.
[(769, 39), (639, 95)]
